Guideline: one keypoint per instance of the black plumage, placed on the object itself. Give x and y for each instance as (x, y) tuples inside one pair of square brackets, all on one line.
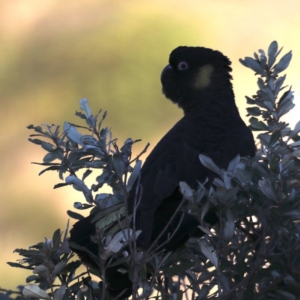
[(199, 81)]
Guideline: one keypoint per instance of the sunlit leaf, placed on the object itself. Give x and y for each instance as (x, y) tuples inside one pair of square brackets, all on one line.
[(84, 105), (185, 190), (208, 163), (72, 133), (32, 290), (209, 251)]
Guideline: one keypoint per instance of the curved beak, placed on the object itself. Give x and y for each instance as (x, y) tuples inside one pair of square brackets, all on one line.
[(164, 72)]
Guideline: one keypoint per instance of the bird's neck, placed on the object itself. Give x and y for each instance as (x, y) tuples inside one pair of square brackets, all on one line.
[(219, 103)]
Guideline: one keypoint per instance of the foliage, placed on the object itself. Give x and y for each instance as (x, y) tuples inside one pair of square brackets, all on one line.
[(253, 253)]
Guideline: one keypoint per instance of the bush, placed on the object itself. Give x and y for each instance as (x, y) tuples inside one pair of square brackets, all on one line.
[(253, 253)]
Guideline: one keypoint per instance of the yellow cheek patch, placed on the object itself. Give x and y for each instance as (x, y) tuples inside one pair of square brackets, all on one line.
[(202, 77)]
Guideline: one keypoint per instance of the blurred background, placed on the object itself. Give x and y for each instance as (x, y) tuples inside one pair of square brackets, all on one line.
[(53, 53)]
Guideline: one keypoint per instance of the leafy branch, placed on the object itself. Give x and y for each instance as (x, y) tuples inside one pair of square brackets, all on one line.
[(253, 253)]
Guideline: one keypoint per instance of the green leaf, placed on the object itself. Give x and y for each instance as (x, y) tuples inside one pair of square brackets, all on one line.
[(127, 147), (286, 97), (48, 147), (102, 198), (54, 168), (234, 163), (259, 168), (254, 65), (79, 185), (285, 108), (257, 125), (32, 278), (274, 164), (208, 163), (52, 156), (18, 265), (82, 206), (119, 241), (134, 175), (265, 100), (75, 215), (86, 174), (278, 84), (266, 187), (253, 111), (205, 209), (36, 141), (84, 105), (60, 292), (185, 190), (32, 290), (209, 251), (249, 100), (39, 129), (272, 50), (295, 144), (283, 63), (274, 137), (262, 57), (114, 245), (227, 177), (71, 266), (58, 268), (59, 185), (42, 271), (119, 165), (72, 133), (296, 130), (269, 93), (229, 225), (56, 239)]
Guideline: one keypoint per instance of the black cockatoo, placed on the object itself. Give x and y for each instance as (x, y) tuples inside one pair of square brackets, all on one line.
[(198, 80)]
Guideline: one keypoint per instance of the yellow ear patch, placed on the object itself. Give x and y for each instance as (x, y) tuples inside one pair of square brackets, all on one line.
[(202, 78)]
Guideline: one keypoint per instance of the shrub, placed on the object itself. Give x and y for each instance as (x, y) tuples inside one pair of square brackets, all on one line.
[(253, 252)]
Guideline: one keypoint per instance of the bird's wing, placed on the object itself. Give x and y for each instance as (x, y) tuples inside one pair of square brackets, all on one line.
[(176, 157)]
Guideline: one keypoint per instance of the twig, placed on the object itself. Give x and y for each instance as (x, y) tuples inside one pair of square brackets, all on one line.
[(166, 227), (144, 151), (251, 273)]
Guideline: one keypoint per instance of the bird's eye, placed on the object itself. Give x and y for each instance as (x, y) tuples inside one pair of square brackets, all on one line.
[(183, 66)]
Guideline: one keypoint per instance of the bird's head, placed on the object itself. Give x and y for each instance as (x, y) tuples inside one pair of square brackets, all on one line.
[(194, 76)]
